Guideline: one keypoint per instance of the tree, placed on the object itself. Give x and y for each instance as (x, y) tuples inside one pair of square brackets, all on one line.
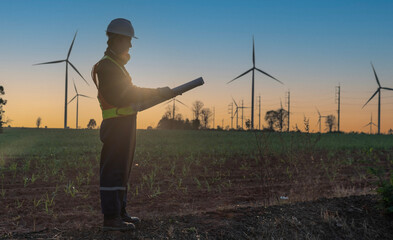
[(206, 113), (248, 124), (277, 119), (92, 124), (197, 108), (270, 117), (38, 122), (2, 103), (330, 122)]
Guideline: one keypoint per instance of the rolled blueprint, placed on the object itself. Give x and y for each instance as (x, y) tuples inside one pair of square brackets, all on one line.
[(177, 91)]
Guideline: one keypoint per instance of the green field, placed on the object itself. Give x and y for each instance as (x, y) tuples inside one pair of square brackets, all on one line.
[(52, 175), (65, 143)]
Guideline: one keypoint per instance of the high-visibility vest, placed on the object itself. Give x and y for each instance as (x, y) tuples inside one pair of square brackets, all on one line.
[(110, 111)]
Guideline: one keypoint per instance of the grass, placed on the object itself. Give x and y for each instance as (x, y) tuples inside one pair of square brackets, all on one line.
[(184, 162)]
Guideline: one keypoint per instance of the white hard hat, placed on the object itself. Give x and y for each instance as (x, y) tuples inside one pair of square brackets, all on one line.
[(121, 26)]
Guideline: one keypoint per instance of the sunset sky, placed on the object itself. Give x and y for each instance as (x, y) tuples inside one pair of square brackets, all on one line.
[(311, 46)]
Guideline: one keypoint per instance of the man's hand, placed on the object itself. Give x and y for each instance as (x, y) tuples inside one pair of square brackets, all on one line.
[(166, 92)]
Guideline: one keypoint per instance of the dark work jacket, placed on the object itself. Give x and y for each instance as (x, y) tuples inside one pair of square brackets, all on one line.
[(115, 85)]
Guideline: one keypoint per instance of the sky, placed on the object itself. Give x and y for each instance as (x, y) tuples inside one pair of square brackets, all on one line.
[(311, 46)]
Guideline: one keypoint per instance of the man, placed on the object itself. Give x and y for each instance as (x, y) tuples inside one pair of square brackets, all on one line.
[(116, 95)]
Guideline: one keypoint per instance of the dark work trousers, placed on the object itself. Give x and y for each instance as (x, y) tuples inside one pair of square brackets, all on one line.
[(118, 136)]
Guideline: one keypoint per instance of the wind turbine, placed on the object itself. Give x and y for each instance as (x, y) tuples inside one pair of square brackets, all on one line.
[(236, 113), (370, 124), (379, 98), (77, 102), (320, 120), (174, 100), (252, 85), (66, 77)]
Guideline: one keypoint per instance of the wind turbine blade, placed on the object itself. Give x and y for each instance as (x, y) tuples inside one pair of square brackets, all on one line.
[(168, 102), (235, 103), (241, 75), (76, 90), (181, 102), (253, 52), (85, 96), (318, 112), (58, 61), (78, 72), (386, 88), (374, 124), (73, 98), (375, 74), (235, 112), (268, 75), (72, 44), (368, 124), (371, 97)]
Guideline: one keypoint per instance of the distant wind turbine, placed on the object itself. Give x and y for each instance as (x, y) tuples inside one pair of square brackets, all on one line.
[(320, 120), (174, 100), (379, 98), (370, 124), (252, 86), (236, 113), (77, 102), (66, 77)]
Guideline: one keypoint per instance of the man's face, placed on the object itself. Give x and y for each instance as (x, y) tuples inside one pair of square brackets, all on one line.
[(123, 44)]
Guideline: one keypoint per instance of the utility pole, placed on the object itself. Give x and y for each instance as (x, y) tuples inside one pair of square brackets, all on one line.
[(214, 117), (242, 114), (222, 124), (289, 105), (338, 106), (173, 111), (230, 111), (259, 105)]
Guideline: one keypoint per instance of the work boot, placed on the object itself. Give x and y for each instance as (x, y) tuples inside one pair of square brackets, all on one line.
[(127, 218), (117, 224)]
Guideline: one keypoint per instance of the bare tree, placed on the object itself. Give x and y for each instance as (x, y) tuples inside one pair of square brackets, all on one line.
[(197, 108), (168, 112), (92, 124), (270, 118), (38, 122), (206, 113), (330, 122)]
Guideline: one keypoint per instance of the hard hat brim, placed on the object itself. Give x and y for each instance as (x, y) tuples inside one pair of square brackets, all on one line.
[(123, 34)]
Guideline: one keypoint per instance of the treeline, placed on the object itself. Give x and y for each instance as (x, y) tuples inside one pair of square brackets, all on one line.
[(171, 120)]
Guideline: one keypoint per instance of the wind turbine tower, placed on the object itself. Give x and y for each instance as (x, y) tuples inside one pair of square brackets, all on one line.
[(77, 103), (66, 77), (253, 69), (174, 100), (379, 98)]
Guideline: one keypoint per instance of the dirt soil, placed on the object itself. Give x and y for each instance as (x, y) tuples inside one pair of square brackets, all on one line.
[(236, 199), (354, 217)]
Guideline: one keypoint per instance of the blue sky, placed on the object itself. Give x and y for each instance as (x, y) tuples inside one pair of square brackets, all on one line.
[(309, 45)]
